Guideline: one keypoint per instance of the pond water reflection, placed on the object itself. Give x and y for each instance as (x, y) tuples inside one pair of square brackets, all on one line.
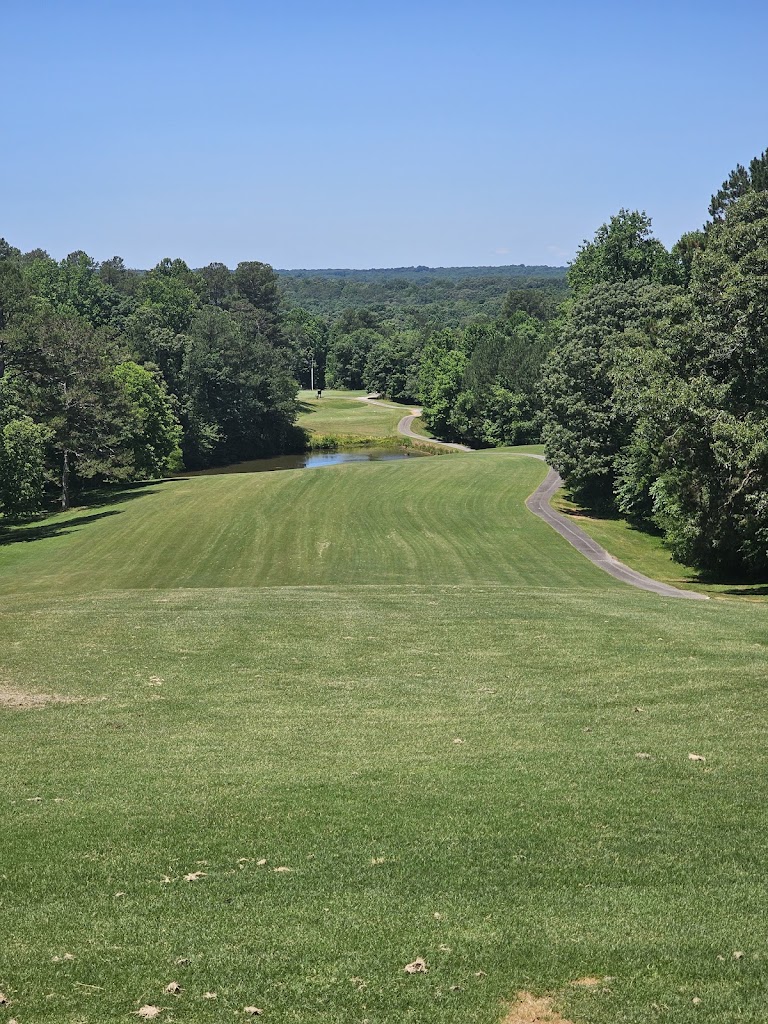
[(313, 460)]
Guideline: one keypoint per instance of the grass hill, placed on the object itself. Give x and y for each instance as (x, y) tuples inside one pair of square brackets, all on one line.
[(395, 682)]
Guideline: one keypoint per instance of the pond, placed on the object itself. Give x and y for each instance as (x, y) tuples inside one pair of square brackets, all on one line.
[(313, 460)]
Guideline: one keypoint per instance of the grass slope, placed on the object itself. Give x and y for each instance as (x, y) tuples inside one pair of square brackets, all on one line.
[(358, 524), (277, 667), (338, 413)]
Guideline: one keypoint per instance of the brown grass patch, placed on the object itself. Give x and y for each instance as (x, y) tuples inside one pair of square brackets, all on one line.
[(530, 1009), (12, 697)]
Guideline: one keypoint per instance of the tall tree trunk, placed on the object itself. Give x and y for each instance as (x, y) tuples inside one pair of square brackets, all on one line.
[(65, 481)]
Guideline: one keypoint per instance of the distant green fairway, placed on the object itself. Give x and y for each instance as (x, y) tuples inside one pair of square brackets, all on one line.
[(339, 412), (280, 667)]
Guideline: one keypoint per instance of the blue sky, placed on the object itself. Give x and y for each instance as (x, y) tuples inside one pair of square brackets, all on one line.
[(336, 134)]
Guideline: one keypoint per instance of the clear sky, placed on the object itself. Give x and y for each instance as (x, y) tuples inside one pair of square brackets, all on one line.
[(322, 133)]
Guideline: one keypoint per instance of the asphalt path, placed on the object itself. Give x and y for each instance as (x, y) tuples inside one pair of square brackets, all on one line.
[(404, 428), (539, 504), (405, 424)]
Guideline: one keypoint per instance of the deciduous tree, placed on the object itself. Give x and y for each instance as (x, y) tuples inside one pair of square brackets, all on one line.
[(622, 250), (151, 433)]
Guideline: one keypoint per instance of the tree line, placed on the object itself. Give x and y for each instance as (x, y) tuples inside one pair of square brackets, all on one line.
[(113, 374), (655, 395), (417, 296), (465, 373), (647, 382), (108, 374), (643, 370)]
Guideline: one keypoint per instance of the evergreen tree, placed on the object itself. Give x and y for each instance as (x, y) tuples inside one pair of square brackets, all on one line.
[(63, 374), (739, 182)]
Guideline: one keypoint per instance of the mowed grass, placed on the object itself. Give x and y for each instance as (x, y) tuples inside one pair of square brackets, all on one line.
[(364, 524), (279, 668), (340, 413)]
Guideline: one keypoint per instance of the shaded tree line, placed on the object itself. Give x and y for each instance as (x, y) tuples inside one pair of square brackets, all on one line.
[(655, 396), (109, 374)]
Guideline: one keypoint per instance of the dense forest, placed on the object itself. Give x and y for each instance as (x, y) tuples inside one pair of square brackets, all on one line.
[(517, 273), (469, 350), (113, 374), (417, 296), (107, 374), (643, 370), (655, 395)]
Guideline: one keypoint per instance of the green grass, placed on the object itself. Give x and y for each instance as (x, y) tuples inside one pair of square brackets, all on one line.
[(338, 413), (277, 667), (418, 427), (339, 420)]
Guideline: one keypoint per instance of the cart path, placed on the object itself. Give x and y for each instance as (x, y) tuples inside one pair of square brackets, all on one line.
[(539, 504), (404, 428), (405, 424)]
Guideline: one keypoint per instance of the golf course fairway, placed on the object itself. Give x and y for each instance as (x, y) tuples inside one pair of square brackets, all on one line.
[(267, 739)]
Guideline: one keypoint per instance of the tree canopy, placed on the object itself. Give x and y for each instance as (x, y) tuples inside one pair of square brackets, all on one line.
[(111, 374), (656, 392)]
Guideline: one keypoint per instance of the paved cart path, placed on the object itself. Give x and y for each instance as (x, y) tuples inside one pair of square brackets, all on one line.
[(539, 504), (405, 424), (404, 428)]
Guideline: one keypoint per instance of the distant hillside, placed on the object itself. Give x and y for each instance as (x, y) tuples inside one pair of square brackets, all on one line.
[(452, 295), (430, 273)]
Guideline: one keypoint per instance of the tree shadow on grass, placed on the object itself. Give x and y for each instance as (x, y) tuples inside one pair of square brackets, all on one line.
[(737, 585), (41, 531), (22, 531), (114, 494)]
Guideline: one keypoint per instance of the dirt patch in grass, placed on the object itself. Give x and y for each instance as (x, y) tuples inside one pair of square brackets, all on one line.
[(24, 700), (530, 1009)]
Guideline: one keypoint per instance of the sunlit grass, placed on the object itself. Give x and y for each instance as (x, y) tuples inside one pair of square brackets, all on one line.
[(279, 668), (338, 412)]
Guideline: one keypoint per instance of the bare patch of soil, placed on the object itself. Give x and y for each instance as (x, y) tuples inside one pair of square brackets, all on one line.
[(530, 1009), (12, 697)]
